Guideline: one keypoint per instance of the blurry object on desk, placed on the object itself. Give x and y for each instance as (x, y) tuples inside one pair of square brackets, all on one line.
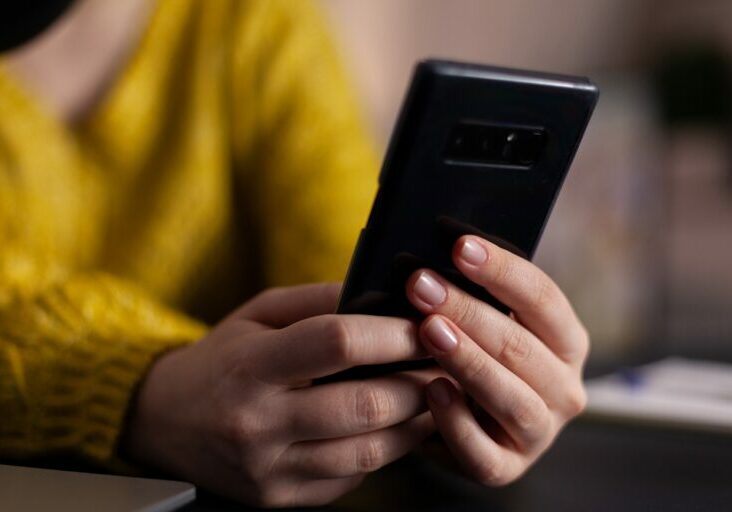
[(674, 392)]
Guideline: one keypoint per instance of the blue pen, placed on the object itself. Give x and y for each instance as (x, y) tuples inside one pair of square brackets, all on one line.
[(632, 378)]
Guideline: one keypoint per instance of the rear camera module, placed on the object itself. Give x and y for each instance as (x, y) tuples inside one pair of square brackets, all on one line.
[(472, 142)]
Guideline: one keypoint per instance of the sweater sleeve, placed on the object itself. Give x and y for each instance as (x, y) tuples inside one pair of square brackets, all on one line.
[(73, 347), (312, 167)]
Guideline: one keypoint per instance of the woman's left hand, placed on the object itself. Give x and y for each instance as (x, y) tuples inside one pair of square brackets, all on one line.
[(523, 371)]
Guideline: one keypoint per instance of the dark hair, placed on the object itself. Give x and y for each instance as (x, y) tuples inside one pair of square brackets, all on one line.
[(22, 20)]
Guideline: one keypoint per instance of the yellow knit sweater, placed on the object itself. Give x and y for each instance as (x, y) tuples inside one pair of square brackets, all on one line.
[(227, 156)]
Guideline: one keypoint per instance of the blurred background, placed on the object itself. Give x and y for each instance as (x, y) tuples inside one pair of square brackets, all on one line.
[(641, 237)]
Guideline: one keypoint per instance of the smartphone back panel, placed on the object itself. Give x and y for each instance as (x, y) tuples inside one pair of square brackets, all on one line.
[(478, 150)]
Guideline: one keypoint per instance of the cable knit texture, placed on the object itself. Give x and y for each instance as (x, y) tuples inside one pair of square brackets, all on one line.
[(227, 155)]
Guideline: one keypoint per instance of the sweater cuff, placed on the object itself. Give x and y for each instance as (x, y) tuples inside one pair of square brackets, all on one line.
[(111, 395), (73, 360)]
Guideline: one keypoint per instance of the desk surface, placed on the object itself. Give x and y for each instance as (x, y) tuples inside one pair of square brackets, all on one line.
[(593, 466)]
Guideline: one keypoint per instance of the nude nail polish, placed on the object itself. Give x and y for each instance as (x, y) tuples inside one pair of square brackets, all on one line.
[(429, 290), (440, 336), (473, 253)]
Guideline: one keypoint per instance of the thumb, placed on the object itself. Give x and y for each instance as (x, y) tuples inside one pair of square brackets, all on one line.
[(280, 307)]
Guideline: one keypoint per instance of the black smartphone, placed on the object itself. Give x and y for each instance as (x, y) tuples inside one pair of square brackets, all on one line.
[(476, 150)]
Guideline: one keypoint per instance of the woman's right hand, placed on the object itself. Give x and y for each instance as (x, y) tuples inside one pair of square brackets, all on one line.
[(237, 412)]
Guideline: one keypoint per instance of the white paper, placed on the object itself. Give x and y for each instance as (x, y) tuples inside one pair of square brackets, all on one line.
[(672, 392)]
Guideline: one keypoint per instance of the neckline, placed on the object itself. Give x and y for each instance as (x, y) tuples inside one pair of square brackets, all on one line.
[(104, 99)]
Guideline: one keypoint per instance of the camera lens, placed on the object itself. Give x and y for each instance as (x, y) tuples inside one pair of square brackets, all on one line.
[(461, 142), (487, 147), (491, 145), (509, 147), (529, 146)]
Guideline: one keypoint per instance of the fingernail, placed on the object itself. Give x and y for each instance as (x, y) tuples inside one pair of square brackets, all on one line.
[(440, 336), (472, 252), (439, 392), (429, 290)]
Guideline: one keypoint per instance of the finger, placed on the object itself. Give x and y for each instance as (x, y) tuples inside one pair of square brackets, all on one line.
[(355, 407), (280, 307), (484, 459), (326, 344), (356, 455), (500, 336), (515, 406), (323, 492), (534, 298)]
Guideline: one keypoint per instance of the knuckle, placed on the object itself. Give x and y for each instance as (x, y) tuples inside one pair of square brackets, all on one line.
[(245, 429), (269, 294), (580, 347), (475, 367), (338, 339), (465, 311), (531, 417), (503, 269), (515, 346), (248, 449), (465, 437), (255, 306), (491, 472), (584, 342), (270, 496), (372, 407), (545, 292), (576, 401), (370, 455), (234, 429)]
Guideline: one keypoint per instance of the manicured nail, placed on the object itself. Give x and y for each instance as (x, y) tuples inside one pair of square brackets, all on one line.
[(429, 290), (439, 392), (472, 252), (440, 336)]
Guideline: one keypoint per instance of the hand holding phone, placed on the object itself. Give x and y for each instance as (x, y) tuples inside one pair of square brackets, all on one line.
[(476, 150), (474, 166), (513, 381)]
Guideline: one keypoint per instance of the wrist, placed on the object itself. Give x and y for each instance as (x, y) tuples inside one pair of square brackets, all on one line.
[(150, 425)]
